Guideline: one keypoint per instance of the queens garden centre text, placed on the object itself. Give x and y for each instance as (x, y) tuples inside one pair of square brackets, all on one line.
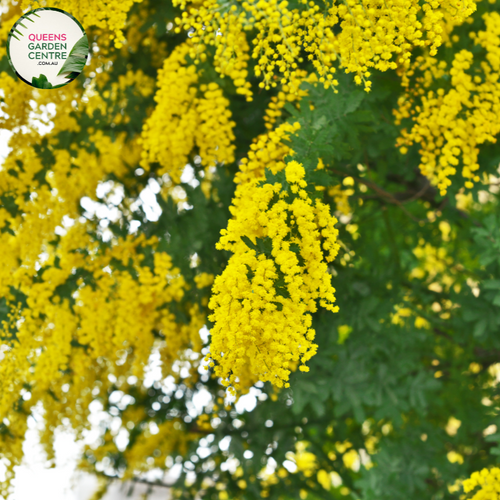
[(47, 50)]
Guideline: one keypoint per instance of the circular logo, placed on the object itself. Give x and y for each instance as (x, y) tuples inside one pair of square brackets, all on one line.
[(47, 48)]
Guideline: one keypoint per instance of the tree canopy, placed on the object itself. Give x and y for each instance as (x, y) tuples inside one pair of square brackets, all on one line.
[(295, 202)]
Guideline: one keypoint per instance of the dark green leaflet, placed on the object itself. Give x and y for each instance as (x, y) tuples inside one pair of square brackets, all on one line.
[(72, 75), (77, 57), (41, 82)]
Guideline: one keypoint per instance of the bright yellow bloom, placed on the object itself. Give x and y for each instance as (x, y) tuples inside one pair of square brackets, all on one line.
[(182, 120), (263, 300), (488, 481), (372, 35), (449, 125)]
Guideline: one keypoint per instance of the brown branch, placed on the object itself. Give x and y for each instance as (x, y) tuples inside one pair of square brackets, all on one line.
[(134, 480), (419, 188), (440, 332), (487, 357), (415, 196), (389, 197)]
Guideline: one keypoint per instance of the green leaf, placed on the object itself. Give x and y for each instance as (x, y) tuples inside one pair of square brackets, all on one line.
[(493, 438), (81, 48), (491, 285), (353, 101), (74, 65), (248, 242), (250, 273), (320, 122), (265, 245), (480, 328), (72, 75), (77, 57), (291, 109), (321, 178), (318, 407), (4, 309), (41, 82)]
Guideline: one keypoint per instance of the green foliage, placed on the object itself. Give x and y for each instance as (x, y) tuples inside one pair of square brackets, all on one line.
[(384, 373), (390, 382)]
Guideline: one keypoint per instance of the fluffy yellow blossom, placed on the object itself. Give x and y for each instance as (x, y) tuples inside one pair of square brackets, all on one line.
[(203, 280), (94, 322), (324, 479), (305, 461), (111, 16), (267, 151), (81, 312), (341, 198), (185, 119), (372, 35), (281, 241), (435, 265), (488, 481), (289, 93), (450, 124), (344, 331)]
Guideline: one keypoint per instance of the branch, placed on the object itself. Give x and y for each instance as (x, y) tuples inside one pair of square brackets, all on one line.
[(389, 197), (440, 332), (487, 357), (137, 480)]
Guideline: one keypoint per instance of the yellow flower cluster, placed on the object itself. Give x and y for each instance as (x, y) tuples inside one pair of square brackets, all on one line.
[(203, 280), (281, 240), (402, 312), (231, 58), (306, 462), (93, 330), (435, 264), (266, 152), (84, 316), (14, 106), (488, 481), (11, 444), (355, 35), (288, 93), (341, 198), (449, 125), (110, 15), (183, 120)]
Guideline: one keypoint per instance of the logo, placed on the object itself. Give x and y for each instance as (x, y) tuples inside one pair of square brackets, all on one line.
[(47, 48)]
